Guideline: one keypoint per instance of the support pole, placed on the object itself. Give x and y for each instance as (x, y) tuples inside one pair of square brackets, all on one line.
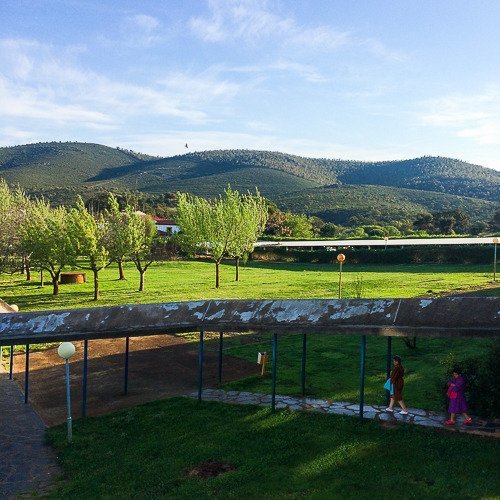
[(362, 377), (273, 380), (388, 366), (303, 370), (68, 401), (340, 281), (200, 367), (11, 361), (220, 356), (495, 263), (84, 382), (127, 345), (27, 374)]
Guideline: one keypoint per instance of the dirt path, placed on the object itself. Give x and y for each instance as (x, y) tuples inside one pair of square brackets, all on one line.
[(159, 366)]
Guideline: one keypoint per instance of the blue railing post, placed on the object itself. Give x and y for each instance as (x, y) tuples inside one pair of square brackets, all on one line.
[(200, 367), (127, 346), (220, 356), (27, 374), (362, 377), (273, 381), (11, 361), (388, 366), (303, 370), (84, 382)]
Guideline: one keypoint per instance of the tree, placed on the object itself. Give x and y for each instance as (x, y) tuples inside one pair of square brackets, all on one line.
[(13, 205), (228, 225), (118, 241), (495, 221), (88, 240), (46, 235), (249, 213), (289, 225), (142, 233)]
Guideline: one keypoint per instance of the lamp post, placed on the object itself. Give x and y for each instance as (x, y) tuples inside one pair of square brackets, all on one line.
[(65, 351), (340, 260)]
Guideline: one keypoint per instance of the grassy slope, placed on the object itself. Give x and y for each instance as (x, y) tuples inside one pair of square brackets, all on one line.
[(145, 452)]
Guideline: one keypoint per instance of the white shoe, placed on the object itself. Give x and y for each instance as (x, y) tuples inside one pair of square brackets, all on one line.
[(403, 412), (390, 410)]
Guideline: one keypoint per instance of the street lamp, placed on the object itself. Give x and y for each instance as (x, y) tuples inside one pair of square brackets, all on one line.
[(65, 351), (340, 260)]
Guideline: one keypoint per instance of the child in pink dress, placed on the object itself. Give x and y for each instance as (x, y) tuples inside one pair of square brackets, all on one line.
[(456, 389)]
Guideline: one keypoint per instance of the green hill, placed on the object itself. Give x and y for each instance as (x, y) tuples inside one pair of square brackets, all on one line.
[(382, 204), (61, 164), (332, 189)]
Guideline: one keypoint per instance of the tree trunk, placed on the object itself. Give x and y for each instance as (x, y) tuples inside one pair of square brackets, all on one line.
[(96, 284), (28, 269), (141, 284), (237, 269), (41, 278), (55, 283), (120, 269), (411, 343), (23, 265), (217, 274)]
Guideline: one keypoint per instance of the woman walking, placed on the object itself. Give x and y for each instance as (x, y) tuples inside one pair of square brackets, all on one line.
[(397, 380), (456, 393)]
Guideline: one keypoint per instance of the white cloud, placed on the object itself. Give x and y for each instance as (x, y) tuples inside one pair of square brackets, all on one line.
[(141, 30), (145, 22), (475, 117), (253, 21), (40, 85)]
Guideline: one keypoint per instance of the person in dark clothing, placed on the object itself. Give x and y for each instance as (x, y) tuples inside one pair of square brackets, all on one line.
[(397, 380)]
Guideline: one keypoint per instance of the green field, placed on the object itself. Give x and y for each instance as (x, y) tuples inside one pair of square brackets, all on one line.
[(147, 451), (194, 280)]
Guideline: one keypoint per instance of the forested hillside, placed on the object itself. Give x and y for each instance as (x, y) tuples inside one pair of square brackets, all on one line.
[(335, 190), (378, 204)]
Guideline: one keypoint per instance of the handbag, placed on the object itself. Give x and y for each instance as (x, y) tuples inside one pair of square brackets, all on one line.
[(389, 387), (451, 393)]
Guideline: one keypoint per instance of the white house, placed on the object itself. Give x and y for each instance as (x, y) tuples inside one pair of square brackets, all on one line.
[(166, 226)]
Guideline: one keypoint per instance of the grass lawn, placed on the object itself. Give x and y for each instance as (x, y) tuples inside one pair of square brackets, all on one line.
[(194, 280), (145, 452), (333, 367)]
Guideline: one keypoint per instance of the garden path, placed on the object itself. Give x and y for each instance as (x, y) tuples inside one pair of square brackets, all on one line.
[(415, 415), (28, 466)]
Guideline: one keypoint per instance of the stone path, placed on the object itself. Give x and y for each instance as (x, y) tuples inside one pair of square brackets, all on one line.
[(27, 465), (415, 416)]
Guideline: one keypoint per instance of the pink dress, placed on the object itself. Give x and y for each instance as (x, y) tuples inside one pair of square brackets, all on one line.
[(458, 404)]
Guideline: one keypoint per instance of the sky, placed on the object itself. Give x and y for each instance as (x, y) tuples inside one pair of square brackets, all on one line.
[(360, 80)]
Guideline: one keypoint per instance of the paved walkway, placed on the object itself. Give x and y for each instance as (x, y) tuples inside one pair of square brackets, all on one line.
[(415, 416), (27, 465)]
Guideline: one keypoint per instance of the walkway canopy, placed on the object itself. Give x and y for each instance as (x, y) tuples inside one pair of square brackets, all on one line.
[(441, 317)]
